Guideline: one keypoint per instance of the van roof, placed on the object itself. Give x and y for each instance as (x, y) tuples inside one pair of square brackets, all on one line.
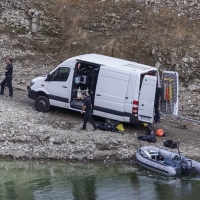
[(112, 62)]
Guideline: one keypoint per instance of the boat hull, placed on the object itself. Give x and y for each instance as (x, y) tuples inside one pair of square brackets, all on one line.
[(168, 167)]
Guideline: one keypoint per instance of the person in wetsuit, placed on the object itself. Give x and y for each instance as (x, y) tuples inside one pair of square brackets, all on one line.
[(87, 107), (156, 105), (8, 78)]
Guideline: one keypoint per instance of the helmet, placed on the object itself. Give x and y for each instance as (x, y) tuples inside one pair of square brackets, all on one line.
[(160, 132)]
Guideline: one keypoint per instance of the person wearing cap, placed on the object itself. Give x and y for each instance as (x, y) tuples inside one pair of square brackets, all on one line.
[(8, 78), (87, 108)]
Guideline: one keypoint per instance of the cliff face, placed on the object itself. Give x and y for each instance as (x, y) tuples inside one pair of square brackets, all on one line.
[(41, 34)]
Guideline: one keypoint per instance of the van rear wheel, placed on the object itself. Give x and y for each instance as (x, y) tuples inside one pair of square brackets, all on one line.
[(42, 104)]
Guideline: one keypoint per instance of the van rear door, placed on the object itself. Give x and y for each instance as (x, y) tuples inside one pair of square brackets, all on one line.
[(146, 99), (169, 95)]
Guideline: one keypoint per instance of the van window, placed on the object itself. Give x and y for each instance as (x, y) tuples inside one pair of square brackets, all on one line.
[(61, 74)]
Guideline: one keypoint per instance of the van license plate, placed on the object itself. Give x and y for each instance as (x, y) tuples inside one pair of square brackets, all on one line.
[(145, 118)]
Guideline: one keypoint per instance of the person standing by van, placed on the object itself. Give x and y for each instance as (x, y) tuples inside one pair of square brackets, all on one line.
[(8, 78), (156, 105), (87, 107)]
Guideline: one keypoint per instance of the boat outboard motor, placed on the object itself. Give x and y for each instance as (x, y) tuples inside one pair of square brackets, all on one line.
[(186, 167)]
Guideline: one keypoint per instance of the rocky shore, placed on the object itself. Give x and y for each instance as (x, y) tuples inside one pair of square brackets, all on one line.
[(162, 33), (28, 134), (41, 34)]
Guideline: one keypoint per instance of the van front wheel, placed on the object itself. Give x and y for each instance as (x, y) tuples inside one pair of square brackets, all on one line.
[(42, 104)]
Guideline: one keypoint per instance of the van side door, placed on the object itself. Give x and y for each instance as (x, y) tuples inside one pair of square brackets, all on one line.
[(110, 93), (169, 93), (58, 86), (146, 99)]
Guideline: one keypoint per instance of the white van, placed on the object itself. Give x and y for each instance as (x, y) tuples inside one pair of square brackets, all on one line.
[(120, 90)]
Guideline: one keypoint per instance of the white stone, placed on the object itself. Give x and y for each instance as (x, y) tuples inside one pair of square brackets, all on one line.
[(52, 139), (182, 89), (26, 22), (34, 27), (22, 21), (193, 87), (158, 64), (185, 59)]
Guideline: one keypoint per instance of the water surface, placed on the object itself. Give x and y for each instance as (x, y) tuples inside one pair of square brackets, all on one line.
[(20, 180)]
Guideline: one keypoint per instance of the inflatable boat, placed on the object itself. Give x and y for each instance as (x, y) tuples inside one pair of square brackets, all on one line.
[(166, 162)]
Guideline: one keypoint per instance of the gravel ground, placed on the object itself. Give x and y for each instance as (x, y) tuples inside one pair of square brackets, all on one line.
[(28, 134)]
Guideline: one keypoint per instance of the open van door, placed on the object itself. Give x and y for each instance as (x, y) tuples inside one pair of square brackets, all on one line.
[(169, 95), (146, 99)]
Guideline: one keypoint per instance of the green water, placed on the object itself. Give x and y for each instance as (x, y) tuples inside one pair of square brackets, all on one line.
[(21, 180)]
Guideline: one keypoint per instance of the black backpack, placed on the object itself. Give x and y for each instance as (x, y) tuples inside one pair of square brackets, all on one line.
[(171, 144), (148, 138), (106, 126)]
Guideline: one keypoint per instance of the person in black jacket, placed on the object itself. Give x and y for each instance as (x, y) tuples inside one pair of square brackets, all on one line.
[(87, 107), (156, 105), (8, 78)]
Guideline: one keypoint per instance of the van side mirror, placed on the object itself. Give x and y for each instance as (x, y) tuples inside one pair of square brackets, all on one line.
[(48, 77)]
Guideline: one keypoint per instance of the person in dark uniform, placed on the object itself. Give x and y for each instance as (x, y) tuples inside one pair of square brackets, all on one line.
[(8, 78), (87, 107), (156, 105), (78, 72)]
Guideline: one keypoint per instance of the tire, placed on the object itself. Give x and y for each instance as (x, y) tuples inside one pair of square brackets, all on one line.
[(42, 104)]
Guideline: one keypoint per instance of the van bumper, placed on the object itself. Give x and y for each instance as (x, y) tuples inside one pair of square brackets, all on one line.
[(31, 93)]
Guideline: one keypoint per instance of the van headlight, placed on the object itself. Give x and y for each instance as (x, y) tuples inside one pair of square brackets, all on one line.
[(31, 83)]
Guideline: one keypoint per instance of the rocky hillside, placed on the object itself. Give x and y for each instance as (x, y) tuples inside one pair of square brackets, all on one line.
[(162, 33)]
